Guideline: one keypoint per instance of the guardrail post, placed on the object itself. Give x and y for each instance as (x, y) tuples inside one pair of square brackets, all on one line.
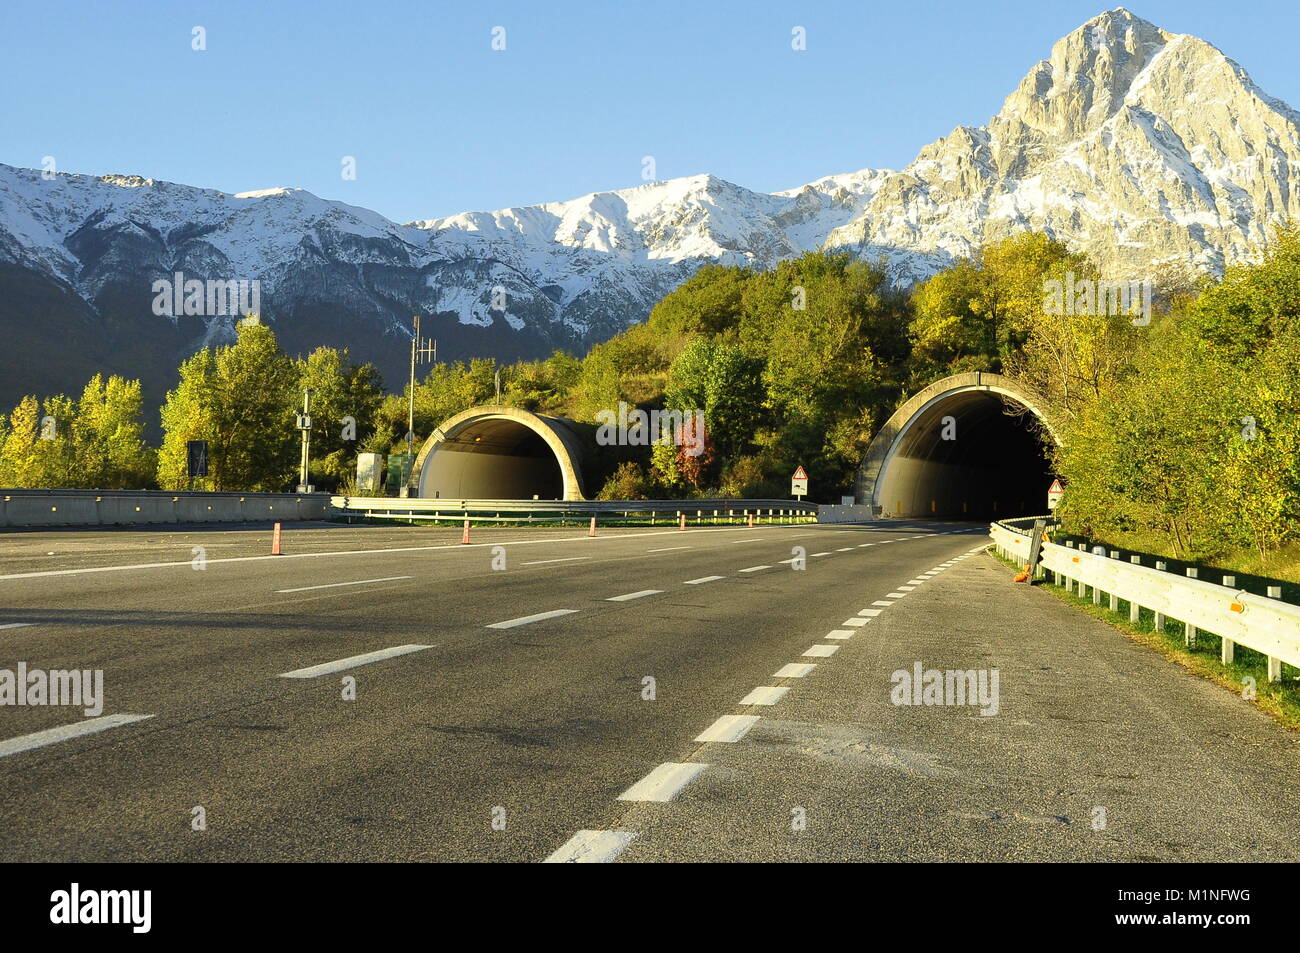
[(1134, 610), (1114, 599), (1274, 664), (1189, 630), (1227, 647), (1161, 565)]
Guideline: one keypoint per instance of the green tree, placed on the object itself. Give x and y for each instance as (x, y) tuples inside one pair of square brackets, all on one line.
[(240, 398)]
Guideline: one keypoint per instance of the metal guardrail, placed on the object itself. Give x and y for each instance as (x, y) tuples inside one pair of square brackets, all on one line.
[(1265, 624), (530, 510)]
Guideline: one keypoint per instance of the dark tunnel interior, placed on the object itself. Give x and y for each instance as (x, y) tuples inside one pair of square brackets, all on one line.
[(966, 456)]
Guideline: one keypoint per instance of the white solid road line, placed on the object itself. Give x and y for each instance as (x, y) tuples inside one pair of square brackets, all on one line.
[(727, 729), (16, 625), (628, 596), (764, 695), (592, 847), (795, 670), (524, 620), (821, 651), (325, 668), (839, 634), (756, 539), (543, 562), (336, 585), (755, 568), (702, 580), (667, 549), (49, 736), (663, 782)]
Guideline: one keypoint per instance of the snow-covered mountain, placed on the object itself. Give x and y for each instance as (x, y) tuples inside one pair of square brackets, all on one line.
[(1142, 147)]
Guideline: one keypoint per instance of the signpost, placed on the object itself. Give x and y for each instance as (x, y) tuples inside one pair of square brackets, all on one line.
[(799, 484), (196, 459), (1054, 494)]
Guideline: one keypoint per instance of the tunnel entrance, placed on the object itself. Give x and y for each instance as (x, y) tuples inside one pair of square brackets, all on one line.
[(499, 453), (968, 446)]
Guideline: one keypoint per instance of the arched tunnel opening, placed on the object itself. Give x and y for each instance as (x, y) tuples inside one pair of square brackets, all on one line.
[(491, 458), (965, 456)]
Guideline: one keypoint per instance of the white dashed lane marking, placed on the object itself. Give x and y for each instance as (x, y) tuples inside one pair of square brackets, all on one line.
[(839, 634), (882, 602), (764, 695), (591, 847), (628, 596), (49, 736), (727, 729), (667, 549), (336, 585), (702, 580), (871, 613), (524, 620), (543, 562), (325, 668), (755, 568), (16, 625), (856, 622), (663, 782), (821, 651), (795, 670)]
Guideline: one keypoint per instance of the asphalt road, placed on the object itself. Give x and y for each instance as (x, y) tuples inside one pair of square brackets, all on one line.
[(623, 728)]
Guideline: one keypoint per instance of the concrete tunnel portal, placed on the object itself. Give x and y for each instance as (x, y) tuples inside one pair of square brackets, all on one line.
[(954, 451), (502, 453)]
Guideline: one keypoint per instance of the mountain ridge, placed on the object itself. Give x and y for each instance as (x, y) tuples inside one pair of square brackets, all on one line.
[(1145, 149)]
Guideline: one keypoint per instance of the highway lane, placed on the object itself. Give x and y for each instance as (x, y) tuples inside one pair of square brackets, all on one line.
[(199, 651), (544, 723)]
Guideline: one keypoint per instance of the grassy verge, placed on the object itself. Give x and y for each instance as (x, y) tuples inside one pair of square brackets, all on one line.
[(1254, 573), (1279, 700)]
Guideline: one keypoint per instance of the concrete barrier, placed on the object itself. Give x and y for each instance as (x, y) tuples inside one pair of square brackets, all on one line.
[(846, 513), (33, 508)]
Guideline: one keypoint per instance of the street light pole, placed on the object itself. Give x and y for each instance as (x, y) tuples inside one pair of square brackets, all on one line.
[(304, 424), (410, 414), (424, 351)]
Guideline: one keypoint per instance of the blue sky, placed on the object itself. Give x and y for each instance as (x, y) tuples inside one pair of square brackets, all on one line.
[(439, 122)]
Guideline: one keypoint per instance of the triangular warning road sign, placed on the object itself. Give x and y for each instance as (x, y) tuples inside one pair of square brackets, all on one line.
[(1056, 487), (800, 474)]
